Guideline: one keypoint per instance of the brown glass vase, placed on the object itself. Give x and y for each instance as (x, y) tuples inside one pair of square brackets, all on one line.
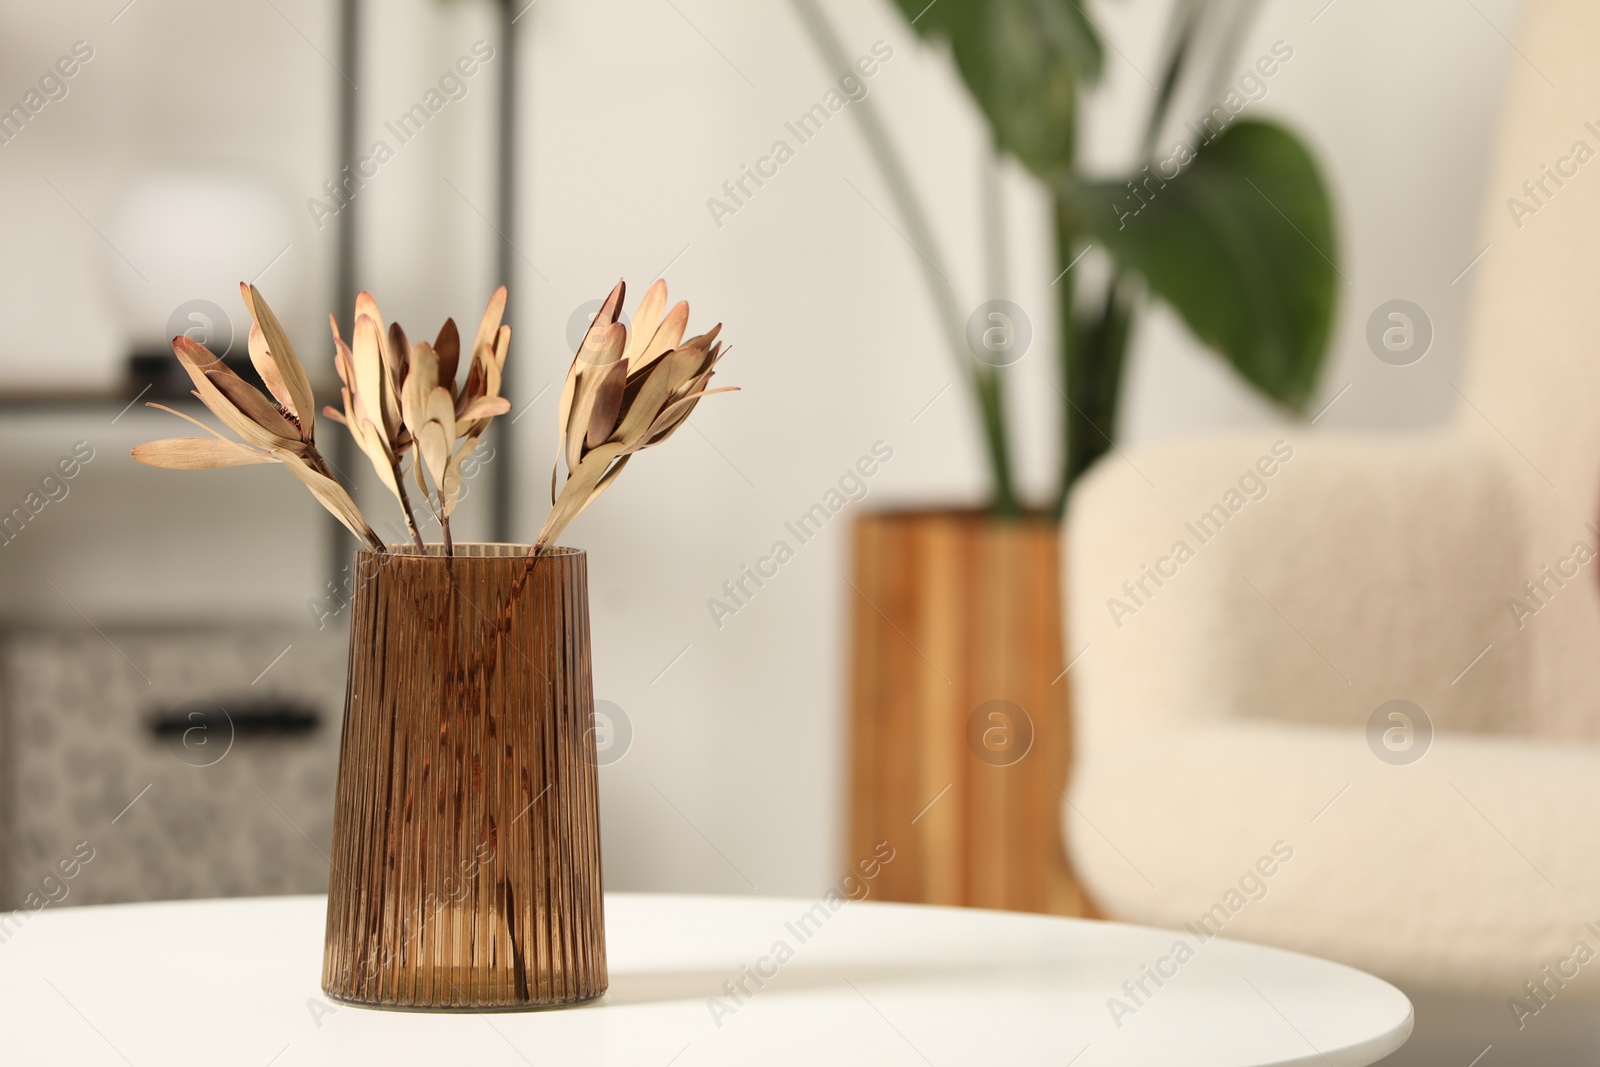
[(466, 832)]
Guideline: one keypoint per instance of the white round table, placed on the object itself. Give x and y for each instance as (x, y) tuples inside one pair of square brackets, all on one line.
[(236, 982)]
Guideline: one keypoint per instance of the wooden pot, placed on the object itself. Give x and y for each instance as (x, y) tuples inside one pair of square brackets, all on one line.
[(960, 735)]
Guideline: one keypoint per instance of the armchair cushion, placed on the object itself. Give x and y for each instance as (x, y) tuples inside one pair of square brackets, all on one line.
[(1467, 869), (1295, 579)]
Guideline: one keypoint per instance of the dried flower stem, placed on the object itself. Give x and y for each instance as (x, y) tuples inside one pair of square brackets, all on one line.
[(625, 391), (315, 461), (405, 506)]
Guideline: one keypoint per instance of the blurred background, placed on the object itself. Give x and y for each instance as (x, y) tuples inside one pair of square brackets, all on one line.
[(193, 147)]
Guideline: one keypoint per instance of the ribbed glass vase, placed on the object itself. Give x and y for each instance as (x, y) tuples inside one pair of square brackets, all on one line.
[(466, 834)]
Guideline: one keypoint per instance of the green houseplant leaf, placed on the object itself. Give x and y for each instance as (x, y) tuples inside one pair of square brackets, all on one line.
[(1023, 61), (1239, 238), (1240, 242)]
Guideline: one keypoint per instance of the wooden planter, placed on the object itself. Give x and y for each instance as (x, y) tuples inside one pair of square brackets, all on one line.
[(960, 734)]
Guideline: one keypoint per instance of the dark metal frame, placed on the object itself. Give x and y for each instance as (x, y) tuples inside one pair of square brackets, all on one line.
[(503, 467)]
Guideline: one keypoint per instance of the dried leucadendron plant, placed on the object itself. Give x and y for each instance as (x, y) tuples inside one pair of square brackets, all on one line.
[(400, 398), (279, 430), (624, 394), (403, 401)]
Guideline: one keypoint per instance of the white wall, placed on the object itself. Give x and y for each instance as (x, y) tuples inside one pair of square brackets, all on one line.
[(639, 112)]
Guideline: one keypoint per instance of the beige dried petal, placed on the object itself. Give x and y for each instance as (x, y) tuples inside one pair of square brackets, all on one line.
[(393, 353), (645, 406), (196, 360), (610, 309), (255, 407), (433, 442), (604, 483), (373, 442), (261, 360), (447, 346), (576, 492), (607, 404), (665, 339), (482, 409), (398, 352), (674, 415), (489, 325), (496, 366), (605, 350), (341, 355), (421, 380), (603, 320), (602, 347), (430, 413), (705, 340), (646, 318), (569, 389), (452, 479), (366, 305), (294, 377), (684, 365), (198, 453), (188, 419), (371, 385)]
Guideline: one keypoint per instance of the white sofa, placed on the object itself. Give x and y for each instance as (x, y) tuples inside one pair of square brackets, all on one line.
[(1227, 709)]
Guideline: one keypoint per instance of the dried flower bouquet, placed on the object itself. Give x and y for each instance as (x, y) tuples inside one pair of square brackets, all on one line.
[(402, 400)]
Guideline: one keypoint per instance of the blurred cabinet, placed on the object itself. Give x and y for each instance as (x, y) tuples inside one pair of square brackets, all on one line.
[(196, 762)]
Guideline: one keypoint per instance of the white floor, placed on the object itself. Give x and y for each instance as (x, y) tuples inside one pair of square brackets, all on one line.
[(1480, 1031)]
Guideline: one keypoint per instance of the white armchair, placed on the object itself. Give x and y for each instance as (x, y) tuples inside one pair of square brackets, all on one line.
[(1225, 707)]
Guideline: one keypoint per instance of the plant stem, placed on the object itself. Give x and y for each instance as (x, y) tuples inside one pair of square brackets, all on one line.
[(405, 505), (995, 256), (438, 515), (1094, 377), (1092, 357), (1186, 17), (1093, 351), (444, 524), (1072, 339), (990, 380), (320, 465), (991, 402)]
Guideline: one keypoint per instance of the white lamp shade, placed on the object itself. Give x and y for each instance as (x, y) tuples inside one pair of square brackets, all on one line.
[(194, 235)]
